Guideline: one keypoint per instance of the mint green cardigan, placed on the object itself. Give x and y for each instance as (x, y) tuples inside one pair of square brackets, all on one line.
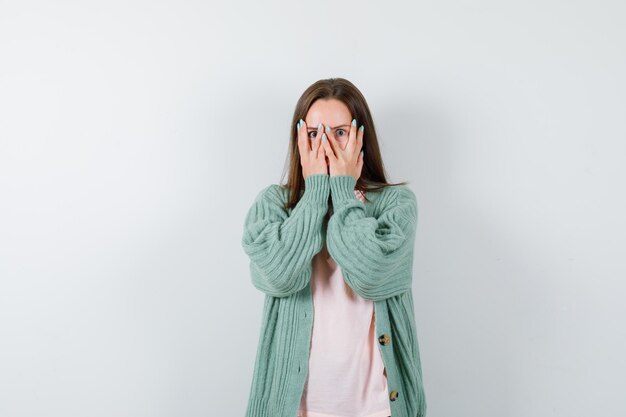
[(373, 243)]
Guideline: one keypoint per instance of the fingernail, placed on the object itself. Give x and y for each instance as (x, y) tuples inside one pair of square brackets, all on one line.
[(353, 122), (361, 153), (298, 124), (323, 137), (319, 126), (362, 128)]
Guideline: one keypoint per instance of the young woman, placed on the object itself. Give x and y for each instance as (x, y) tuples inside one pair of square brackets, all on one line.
[(333, 252)]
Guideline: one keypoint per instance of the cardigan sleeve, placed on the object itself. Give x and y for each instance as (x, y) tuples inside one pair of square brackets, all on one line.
[(375, 253), (281, 243)]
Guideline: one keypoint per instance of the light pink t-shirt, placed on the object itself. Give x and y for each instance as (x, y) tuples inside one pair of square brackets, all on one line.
[(347, 375)]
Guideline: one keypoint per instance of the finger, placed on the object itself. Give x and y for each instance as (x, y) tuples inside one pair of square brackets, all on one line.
[(303, 142), (317, 140), (332, 144), (328, 149), (359, 138), (352, 135)]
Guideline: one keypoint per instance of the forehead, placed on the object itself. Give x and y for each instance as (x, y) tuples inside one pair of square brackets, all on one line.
[(330, 112)]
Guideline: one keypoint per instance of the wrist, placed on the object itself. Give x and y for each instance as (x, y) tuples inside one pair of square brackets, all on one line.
[(316, 188), (342, 188)]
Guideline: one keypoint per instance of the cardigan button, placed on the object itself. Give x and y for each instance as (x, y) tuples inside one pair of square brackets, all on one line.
[(384, 339), (393, 395)]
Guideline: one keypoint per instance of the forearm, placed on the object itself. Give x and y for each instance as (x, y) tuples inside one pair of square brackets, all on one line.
[(375, 253), (281, 245)]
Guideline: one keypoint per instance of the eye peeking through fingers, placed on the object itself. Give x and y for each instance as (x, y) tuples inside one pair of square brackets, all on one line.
[(340, 134)]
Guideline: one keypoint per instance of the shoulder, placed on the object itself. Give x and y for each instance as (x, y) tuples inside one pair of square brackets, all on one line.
[(405, 192), (399, 201), (398, 194), (274, 194)]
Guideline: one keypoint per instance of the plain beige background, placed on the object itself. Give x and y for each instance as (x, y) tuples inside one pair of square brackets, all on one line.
[(134, 135)]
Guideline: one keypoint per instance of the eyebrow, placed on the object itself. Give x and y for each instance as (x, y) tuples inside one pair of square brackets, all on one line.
[(315, 128)]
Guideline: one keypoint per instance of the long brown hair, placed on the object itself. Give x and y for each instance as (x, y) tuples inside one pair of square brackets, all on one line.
[(373, 177)]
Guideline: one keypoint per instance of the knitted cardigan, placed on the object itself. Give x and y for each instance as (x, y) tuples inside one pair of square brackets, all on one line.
[(373, 243)]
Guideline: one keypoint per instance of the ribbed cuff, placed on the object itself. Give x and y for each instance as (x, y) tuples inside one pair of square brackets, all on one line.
[(316, 188), (342, 189)]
